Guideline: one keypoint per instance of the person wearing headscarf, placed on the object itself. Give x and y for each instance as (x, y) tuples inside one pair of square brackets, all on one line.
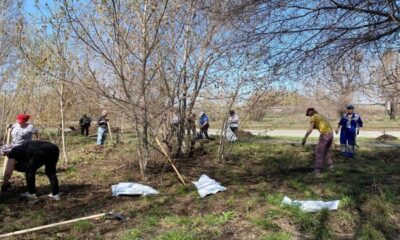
[(21, 132), (349, 126), (318, 121)]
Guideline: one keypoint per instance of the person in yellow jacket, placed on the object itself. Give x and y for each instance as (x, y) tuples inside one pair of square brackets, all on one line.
[(318, 121)]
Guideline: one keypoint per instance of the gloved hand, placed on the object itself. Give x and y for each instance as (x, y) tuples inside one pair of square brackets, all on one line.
[(5, 187), (303, 141), (358, 132)]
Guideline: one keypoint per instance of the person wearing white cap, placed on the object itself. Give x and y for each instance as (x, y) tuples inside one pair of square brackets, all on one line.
[(204, 125), (349, 126)]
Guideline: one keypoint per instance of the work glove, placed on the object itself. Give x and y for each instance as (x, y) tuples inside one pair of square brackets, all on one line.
[(5, 187), (303, 141)]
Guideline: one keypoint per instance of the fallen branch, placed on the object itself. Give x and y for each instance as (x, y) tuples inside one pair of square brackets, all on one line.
[(170, 161)]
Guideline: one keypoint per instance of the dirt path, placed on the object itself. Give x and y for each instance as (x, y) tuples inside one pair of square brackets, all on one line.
[(300, 133), (295, 143)]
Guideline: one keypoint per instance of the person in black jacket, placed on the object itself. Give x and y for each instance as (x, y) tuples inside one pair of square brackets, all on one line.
[(28, 158), (84, 123)]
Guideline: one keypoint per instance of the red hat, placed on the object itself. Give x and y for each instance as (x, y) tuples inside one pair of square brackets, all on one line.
[(22, 118)]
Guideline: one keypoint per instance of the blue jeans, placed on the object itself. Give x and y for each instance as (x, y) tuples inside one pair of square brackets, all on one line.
[(101, 135), (348, 136)]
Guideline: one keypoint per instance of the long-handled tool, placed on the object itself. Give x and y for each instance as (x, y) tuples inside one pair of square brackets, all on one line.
[(172, 164), (109, 130), (6, 158), (112, 215)]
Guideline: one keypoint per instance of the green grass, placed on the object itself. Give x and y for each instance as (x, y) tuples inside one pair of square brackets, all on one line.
[(82, 226), (71, 171), (132, 234), (257, 175), (176, 235), (278, 236), (4, 210), (274, 199), (368, 232)]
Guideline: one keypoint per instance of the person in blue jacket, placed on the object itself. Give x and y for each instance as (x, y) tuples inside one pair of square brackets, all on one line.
[(204, 125), (349, 126)]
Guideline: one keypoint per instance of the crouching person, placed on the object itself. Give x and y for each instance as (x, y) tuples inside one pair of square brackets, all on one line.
[(28, 158)]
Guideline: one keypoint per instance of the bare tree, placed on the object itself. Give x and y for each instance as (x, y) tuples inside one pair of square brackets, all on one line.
[(10, 15), (302, 38), (386, 77)]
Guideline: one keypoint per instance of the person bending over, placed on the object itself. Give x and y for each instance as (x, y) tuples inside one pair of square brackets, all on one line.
[(320, 122), (28, 158)]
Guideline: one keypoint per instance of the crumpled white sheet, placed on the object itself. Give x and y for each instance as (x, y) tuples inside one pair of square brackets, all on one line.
[(311, 206), (131, 188), (230, 136), (206, 186)]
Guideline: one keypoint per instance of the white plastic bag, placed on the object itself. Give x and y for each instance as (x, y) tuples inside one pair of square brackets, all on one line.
[(230, 136), (131, 188), (206, 186), (310, 205)]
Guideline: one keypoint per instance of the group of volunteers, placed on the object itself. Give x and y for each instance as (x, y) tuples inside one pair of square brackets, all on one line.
[(26, 155), (102, 128), (349, 126)]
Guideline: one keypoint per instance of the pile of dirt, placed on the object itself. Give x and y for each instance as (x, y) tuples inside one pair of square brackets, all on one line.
[(244, 134), (386, 137)]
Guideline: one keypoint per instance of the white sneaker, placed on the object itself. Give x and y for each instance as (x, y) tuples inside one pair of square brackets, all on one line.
[(56, 197), (30, 197)]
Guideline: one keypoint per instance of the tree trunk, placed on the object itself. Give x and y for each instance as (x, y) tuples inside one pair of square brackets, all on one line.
[(221, 148), (61, 95), (392, 108)]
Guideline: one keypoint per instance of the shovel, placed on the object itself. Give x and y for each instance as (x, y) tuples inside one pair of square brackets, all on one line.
[(109, 215)]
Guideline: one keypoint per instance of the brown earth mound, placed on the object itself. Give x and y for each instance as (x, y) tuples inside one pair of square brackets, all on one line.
[(386, 137), (244, 135)]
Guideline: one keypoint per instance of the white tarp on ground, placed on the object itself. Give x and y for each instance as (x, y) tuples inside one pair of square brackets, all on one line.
[(131, 188), (311, 206), (230, 136), (206, 186)]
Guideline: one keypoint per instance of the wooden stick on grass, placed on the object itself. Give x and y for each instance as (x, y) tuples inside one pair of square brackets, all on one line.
[(170, 161), (51, 225)]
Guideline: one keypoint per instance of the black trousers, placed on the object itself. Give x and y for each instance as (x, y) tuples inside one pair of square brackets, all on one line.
[(204, 131), (30, 169), (234, 129), (85, 130)]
